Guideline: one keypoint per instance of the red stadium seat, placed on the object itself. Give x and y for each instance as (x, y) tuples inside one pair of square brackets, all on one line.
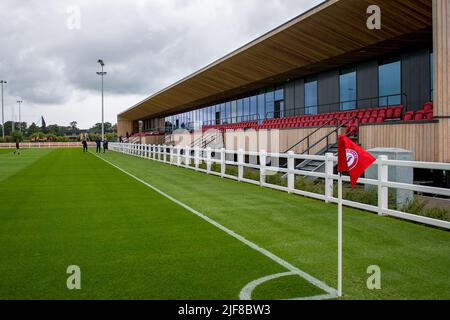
[(398, 112), (429, 115), (428, 106), (408, 116), (419, 115)]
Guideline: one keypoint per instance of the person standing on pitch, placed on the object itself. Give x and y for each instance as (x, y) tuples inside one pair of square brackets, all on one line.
[(98, 142), (17, 147), (85, 145), (105, 145)]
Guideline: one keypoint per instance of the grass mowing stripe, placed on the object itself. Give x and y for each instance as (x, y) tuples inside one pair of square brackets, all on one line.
[(252, 245), (414, 259), (10, 163)]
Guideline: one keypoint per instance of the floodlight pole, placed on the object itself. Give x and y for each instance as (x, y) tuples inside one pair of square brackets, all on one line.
[(3, 110), (102, 74), (20, 115)]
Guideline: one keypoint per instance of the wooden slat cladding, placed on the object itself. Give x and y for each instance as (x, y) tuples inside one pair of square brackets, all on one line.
[(333, 33), (420, 138), (441, 12)]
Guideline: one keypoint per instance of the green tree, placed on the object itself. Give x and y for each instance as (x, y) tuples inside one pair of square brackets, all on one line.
[(73, 125), (44, 125), (97, 128), (32, 129), (8, 127), (17, 135)]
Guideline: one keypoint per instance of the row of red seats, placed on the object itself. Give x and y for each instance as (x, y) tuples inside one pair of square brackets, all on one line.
[(425, 114), (233, 126), (372, 115), (145, 134), (354, 118)]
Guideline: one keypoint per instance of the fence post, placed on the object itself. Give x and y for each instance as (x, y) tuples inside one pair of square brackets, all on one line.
[(329, 171), (160, 153), (383, 176), (178, 156), (240, 164), (197, 158), (187, 157), (208, 160), (171, 155), (262, 168), (291, 175), (223, 163)]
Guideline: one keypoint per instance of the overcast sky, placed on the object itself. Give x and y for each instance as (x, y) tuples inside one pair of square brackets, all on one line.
[(49, 56)]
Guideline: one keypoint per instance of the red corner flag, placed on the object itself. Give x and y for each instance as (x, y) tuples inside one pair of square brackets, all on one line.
[(353, 159)]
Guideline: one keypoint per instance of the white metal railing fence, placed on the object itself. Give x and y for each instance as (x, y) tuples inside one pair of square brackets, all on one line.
[(193, 158)]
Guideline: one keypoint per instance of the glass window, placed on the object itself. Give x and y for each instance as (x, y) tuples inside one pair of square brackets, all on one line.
[(240, 110), (212, 115), (311, 96), (222, 113), (246, 103), (270, 105), (279, 94), (389, 83), (347, 89), (227, 112), (253, 107), (261, 106), (233, 110)]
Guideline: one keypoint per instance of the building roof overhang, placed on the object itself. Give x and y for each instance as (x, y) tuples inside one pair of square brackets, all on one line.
[(330, 35)]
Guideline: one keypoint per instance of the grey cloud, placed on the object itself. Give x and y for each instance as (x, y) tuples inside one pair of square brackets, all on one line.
[(146, 45)]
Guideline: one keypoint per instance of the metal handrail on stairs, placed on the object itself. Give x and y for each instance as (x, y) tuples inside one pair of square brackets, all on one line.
[(327, 137)]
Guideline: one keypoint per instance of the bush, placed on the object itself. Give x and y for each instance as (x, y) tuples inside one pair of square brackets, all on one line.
[(62, 139), (251, 174), (418, 207), (276, 179), (309, 185)]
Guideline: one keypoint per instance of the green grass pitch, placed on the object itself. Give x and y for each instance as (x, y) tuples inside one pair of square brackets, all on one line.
[(62, 207)]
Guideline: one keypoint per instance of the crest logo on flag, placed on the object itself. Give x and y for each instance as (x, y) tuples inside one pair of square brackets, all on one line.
[(352, 158)]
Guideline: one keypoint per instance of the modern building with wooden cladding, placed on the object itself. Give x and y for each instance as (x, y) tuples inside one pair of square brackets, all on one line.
[(322, 72)]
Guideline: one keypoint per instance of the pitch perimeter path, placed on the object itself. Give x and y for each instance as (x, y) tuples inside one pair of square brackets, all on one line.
[(66, 208), (414, 259)]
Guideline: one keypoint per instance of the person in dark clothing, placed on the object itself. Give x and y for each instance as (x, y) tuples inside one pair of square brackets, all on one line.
[(17, 147), (120, 139), (85, 146), (105, 145), (98, 143)]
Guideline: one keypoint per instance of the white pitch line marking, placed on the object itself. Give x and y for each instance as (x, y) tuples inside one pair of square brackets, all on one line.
[(280, 261), (247, 291)]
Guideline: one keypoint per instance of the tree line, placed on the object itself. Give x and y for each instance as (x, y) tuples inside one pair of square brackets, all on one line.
[(54, 132)]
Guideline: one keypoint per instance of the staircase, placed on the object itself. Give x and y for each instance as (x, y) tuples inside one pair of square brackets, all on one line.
[(318, 166), (330, 147), (206, 140)]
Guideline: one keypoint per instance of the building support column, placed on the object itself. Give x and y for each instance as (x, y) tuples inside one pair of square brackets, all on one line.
[(441, 94), (124, 126)]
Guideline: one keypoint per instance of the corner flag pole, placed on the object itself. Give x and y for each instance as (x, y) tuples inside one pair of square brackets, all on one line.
[(354, 160), (340, 235)]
